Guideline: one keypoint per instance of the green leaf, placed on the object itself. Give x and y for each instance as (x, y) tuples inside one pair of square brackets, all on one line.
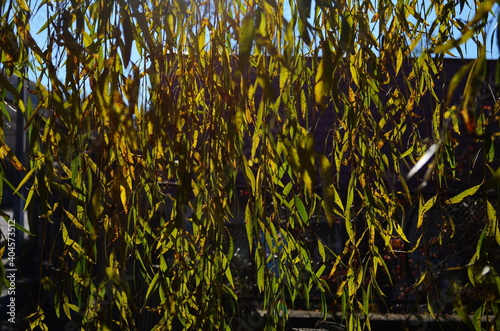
[(260, 276), (444, 48), (301, 209), (31, 193), (249, 226), (324, 76), (247, 32), (230, 292), (320, 271), (153, 285), (227, 270), (493, 220), (330, 194), (459, 197), (67, 306), (476, 318), (321, 250), (19, 227)]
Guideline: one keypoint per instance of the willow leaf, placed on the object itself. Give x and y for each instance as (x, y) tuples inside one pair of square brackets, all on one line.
[(493, 220), (461, 196), (324, 76), (423, 209), (246, 40)]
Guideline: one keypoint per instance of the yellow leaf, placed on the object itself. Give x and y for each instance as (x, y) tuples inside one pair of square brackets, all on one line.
[(459, 197), (123, 197), (5, 151), (399, 60), (25, 179), (74, 220), (428, 205), (23, 5)]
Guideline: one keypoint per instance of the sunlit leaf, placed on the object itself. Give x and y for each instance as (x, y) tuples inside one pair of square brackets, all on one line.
[(324, 76), (461, 196), (424, 208), (423, 159), (163, 129)]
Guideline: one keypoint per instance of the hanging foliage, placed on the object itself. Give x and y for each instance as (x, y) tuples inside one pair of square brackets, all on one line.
[(161, 125)]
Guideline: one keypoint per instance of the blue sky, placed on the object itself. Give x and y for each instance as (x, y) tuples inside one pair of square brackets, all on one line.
[(469, 49)]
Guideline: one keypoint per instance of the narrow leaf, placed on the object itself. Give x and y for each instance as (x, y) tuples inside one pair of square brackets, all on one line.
[(459, 197), (421, 213), (246, 40), (324, 76), (301, 209)]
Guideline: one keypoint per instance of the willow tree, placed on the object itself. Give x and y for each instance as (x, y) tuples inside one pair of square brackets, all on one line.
[(154, 116)]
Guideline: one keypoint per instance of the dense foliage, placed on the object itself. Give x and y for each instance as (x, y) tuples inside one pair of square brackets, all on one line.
[(159, 124)]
